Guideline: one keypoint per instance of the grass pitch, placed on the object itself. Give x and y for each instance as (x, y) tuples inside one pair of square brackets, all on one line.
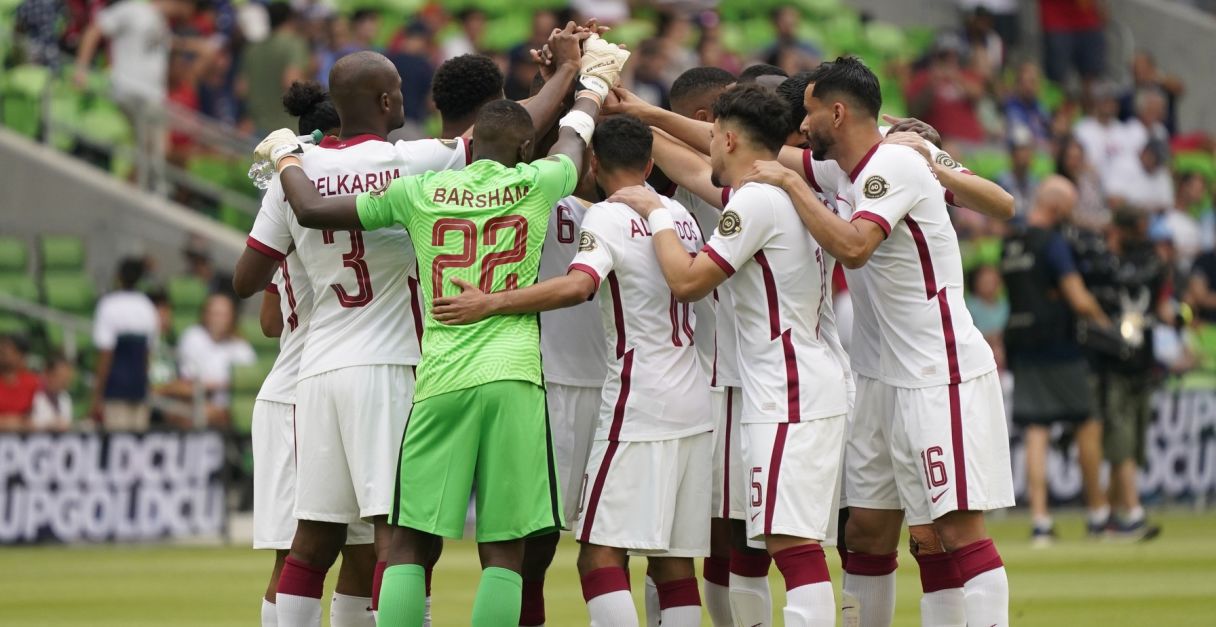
[(1170, 581)]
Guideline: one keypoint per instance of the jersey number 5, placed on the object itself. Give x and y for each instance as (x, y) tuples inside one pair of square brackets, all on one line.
[(353, 260), (468, 253)]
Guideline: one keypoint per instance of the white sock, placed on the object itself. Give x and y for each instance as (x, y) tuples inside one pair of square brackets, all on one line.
[(874, 596), (717, 602), (269, 619), (943, 608), (683, 616), (1100, 515), (987, 598), (652, 603), (1042, 522), (349, 611), (297, 611), (1134, 515), (812, 605), (426, 618), (614, 609), (850, 607), (751, 601)]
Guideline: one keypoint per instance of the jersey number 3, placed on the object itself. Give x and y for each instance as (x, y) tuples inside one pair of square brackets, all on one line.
[(353, 260), (468, 253)]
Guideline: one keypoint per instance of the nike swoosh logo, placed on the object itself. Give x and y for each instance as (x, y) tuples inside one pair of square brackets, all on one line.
[(753, 520), (757, 625), (940, 495)]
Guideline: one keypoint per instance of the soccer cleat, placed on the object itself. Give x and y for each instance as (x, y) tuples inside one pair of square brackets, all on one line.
[(1042, 537), (1138, 531), (1097, 530)]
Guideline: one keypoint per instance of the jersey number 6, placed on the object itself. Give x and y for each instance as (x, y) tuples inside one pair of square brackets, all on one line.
[(468, 253)]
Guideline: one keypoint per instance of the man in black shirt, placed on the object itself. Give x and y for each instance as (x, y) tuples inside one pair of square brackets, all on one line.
[(1046, 296)]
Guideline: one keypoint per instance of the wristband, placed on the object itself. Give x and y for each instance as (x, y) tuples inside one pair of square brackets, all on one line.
[(660, 220), (596, 85), (589, 94), (582, 124)]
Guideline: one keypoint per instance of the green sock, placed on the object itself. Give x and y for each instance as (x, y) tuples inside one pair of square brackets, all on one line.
[(402, 596), (499, 596)]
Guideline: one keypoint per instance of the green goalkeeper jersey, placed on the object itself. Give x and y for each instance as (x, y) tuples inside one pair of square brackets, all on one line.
[(484, 224)]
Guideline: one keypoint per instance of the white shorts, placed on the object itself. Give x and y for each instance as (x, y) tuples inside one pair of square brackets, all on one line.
[(349, 425), (870, 472), (274, 479), (729, 486), (573, 412), (793, 476), (957, 439), (650, 497)]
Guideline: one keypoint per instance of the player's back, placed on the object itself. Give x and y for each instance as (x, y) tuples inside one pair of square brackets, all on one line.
[(915, 277), (571, 338), (295, 294), (362, 280), (715, 339), (486, 225), (781, 289), (655, 386)]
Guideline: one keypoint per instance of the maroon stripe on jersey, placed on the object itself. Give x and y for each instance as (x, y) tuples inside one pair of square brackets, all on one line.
[(468, 151), (774, 473), (618, 411), (950, 197), (719, 259), (264, 249), (673, 309), (329, 141), (293, 320), (956, 441), (415, 307), (618, 314), (688, 329), (671, 189), (614, 433), (864, 160), (770, 293), (793, 402), (726, 191), (876, 219), (730, 407), (589, 271), (809, 169)]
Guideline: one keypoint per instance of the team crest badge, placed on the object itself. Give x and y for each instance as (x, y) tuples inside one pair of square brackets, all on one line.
[(946, 161), (875, 187), (586, 242), (729, 224), (379, 191), (450, 143)]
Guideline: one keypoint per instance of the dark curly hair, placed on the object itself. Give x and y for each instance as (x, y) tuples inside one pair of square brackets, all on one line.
[(622, 142), (761, 114), (309, 102), (464, 84)]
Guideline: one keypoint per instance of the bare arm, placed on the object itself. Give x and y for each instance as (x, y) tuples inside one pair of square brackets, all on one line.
[(84, 55), (692, 132), (270, 316), (976, 193), (569, 142), (313, 210), (254, 270), (547, 104), (472, 305), (1080, 300), (101, 374), (685, 168)]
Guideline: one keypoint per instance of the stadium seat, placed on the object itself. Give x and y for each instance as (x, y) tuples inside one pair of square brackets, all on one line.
[(887, 40), (251, 330), (73, 293), (186, 294), (60, 253), (19, 286), (183, 320), (989, 164), (14, 256), (502, 33), (1196, 161), (23, 87), (246, 381)]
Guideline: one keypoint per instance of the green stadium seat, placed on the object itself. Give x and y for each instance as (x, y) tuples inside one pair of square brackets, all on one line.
[(251, 330), (1196, 161), (631, 32), (186, 294), (14, 255), (819, 8), (61, 253), (502, 33), (11, 323), (73, 293), (887, 40), (23, 87), (989, 164), (248, 379), (241, 411), (183, 320), (55, 335), (19, 286)]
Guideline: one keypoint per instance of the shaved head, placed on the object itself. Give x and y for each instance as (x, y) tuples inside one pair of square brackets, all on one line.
[(503, 132), (366, 90), (1055, 197)]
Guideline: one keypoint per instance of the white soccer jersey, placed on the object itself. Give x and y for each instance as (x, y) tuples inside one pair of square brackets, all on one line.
[(572, 345), (655, 388), (365, 312), (781, 283), (715, 345), (915, 277), (295, 303)]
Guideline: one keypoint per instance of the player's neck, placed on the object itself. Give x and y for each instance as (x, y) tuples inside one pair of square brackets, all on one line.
[(355, 130), (741, 163), (854, 144), (613, 182), (452, 130)]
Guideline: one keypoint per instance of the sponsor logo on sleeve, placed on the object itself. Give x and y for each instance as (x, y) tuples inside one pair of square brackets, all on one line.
[(875, 187), (730, 223), (945, 160), (586, 242)]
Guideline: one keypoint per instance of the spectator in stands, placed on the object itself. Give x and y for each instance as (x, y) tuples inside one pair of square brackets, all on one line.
[(1191, 195), (1047, 296), (1146, 75), (364, 28), (1144, 183), (1185, 231), (38, 24), (413, 62), (985, 49), (1022, 107), (989, 307), (334, 37), (1149, 121), (1074, 39), (649, 64), (269, 67), (521, 69), (52, 409), (791, 52), (198, 260), (1020, 181), (764, 75), (18, 385), (1071, 162), (468, 39), (208, 351), (945, 93), (674, 33), (1109, 144), (162, 367), (711, 51), (1005, 18), (125, 331)]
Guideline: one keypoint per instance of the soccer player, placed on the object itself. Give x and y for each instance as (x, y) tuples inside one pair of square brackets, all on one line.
[(794, 399), (287, 306), (479, 411), (647, 490), (940, 467)]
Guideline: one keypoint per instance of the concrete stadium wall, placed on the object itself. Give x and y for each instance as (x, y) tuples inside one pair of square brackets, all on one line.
[(45, 192), (1182, 38)]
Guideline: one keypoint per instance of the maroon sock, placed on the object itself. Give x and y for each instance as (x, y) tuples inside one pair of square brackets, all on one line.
[(717, 570), (871, 565), (678, 593), (602, 581), (844, 557), (938, 571), (532, 611), (301, 580), (802, 565), (377, 578), (749, 564), (976, 558)]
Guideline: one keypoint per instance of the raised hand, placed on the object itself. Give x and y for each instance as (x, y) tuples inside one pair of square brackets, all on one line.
[(639, 198), (626, 103), (277, 145), (913, 125), (470, 306), (769, 173), (601, 66), (565, 44), (911, 140)]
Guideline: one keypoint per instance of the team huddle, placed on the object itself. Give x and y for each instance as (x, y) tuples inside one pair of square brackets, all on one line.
[(632, 338)]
